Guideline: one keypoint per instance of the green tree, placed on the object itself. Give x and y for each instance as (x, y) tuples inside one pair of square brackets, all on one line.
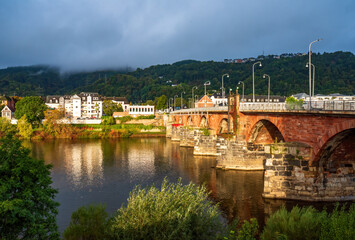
[(32, 107), (174, 211), (110, 107), (293, 103), (87, 223), (150, 102), (24, 127), (6, 126), (27, 206), (120, 108), (162, 102)]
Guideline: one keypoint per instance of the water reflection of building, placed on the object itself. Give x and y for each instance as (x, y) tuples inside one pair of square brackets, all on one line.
[(141, 162), (83, 163)]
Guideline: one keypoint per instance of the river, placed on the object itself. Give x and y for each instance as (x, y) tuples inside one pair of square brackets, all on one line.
[(105, 171)]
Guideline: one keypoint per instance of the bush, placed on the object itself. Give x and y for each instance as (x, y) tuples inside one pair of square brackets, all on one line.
[(339, 225), (299, 223), (87, 223), (6, 126), (125, 119), (109, 121), (248, 231), (146, 117), (172, 212), (24, 127), (205, 131)]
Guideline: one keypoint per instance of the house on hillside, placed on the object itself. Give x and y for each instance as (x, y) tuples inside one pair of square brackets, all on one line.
[(205, 101), (8, 112), (7, 101), (218, 100)]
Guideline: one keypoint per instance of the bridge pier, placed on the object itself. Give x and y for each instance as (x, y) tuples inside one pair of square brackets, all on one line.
[(290, 174), (234, 154), (205, 144)]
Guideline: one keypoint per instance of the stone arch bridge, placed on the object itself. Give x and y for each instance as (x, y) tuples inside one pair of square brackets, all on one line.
[(318, 165), (323, 131)]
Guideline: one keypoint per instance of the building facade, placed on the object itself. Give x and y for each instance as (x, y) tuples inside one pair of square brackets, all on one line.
[(83, 105)]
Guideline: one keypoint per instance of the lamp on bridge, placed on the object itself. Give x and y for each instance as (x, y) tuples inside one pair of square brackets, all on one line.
[(241, 82), (206, 84), (193, 98), (170, 103), (181, 100), (314, 70), (310, 72), (268, 88), (253, 79), (175, 101), (222, 88)]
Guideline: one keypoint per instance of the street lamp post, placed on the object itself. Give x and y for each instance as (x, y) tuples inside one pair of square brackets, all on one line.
[(206, 84), (223, 91), (310, 72), (175, 101), (170, 103), (253, 79), (268, 88), (193, 98), (181, 100), (314, 70), (241, 82)]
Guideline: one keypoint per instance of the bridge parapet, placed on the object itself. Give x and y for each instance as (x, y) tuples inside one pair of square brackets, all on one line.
[(262, 106), (191, 111), (317, 106)]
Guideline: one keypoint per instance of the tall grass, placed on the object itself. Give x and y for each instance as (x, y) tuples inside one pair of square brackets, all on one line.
[(340, 224), (299, 223)]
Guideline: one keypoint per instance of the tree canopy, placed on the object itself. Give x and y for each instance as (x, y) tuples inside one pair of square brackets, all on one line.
[(335, 73), (32, 107), (110, 107), (27, 206)]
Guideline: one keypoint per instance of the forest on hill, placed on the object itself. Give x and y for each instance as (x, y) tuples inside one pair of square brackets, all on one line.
[(335, 73)]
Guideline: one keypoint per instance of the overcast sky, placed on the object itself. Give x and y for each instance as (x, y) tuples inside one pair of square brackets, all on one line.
[(98, 34)]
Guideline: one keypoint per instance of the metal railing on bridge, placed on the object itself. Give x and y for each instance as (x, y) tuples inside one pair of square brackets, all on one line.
[(335, 105), (262, 106), (316, 106)]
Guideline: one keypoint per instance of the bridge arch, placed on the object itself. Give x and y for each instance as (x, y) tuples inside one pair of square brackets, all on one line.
[(189, 121), (203, 122), (338, 152), (223, 126), (265, 132), (181, 120)]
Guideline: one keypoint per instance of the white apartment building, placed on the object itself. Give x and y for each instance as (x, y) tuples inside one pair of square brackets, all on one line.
[(133, 110), (83, 105), (138, 110)]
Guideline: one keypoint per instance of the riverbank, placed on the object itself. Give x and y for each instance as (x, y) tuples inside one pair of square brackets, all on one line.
[(97, 131)]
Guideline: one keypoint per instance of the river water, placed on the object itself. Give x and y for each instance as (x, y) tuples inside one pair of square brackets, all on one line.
[(105, 171)]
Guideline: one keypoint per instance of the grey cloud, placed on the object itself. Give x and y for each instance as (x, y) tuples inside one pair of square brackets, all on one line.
[(88, 35)]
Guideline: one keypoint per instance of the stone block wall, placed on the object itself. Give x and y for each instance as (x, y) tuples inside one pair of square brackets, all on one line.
[(233, 154), (175, 133), (205, 145), (187, 137), (290, 174), (169, 128)]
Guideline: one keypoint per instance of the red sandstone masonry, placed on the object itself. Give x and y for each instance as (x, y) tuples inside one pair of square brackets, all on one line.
[(312, 130), (213, 120)]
